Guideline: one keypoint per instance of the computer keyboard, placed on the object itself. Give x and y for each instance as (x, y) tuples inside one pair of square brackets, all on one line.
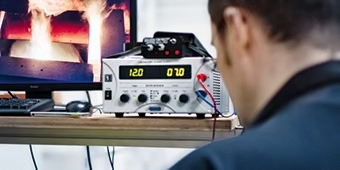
[(24, 107)]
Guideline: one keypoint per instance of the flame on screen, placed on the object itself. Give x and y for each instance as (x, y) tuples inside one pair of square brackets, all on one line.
[(95, 13), (41, 43), (2, 15), (41, 46), (56, 7)]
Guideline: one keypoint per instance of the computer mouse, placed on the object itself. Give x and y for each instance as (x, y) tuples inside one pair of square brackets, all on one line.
[(78, 106)]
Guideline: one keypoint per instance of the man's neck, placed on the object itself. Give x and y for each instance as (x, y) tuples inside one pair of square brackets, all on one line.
[(279, 67)]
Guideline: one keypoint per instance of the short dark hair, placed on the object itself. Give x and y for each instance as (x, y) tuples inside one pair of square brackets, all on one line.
[(285, 19)]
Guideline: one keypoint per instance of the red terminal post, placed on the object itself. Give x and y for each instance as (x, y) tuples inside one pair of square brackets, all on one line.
[(202, 77), (177, 52)]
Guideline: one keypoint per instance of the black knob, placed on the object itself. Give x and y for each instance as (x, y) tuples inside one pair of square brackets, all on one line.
[(165, 98), (203, 93), (124, 98), (183, 98), (142, 98)]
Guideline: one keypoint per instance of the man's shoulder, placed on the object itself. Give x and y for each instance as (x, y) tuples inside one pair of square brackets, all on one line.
[(281, 141), (224, 154)]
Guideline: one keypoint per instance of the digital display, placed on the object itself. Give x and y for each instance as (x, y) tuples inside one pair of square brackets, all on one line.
[(155, 72)]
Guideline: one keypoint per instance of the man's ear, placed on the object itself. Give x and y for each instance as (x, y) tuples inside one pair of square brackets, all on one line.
[(237, 26)]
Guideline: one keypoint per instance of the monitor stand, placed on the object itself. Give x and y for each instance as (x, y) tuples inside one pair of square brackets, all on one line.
[(39, 94)]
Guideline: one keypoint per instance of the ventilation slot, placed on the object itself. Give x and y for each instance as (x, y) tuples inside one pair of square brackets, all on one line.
[(216, 87)]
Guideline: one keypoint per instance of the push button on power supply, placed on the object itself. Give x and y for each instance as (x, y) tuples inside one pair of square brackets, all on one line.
[(142, 98), (124, 98), (108, 95), (108, 77)]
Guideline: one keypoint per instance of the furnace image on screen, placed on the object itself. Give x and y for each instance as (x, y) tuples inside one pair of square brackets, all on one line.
[(60, 41)]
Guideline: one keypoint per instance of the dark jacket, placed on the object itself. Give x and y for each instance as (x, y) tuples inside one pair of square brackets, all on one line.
[(298, 129)]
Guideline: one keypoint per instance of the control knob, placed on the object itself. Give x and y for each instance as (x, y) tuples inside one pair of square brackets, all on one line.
[(124, 98), (142, 98), (183, 98), (165, 98)]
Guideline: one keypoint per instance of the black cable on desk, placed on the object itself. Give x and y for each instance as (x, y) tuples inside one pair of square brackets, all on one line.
[(88, 147), (88, 97), (111, 159), (89, 157), (12, 95), (33, 158)]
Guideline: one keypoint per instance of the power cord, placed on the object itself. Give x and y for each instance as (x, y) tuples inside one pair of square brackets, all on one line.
[(88, 97), (199, 94), (201, 78), (205, 54), (88, 147), (111, 157), (30, 146), (98, 108), (33, 158), (89, 157), (200, 51), (12, 95)]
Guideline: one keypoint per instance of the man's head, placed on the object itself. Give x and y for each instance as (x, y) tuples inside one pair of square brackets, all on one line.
[(262, 43)]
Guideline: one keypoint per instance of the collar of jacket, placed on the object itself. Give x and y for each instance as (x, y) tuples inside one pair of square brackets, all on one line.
[(303, 82)]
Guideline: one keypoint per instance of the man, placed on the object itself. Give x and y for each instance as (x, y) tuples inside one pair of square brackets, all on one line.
[(278, 59)]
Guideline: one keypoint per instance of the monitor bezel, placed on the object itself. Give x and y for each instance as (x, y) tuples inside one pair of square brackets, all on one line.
[(75, 86)]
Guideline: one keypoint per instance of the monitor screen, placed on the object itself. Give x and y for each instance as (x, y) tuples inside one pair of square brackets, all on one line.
[(60, 43)]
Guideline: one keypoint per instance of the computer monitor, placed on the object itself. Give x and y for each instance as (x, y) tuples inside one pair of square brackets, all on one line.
[(52, 45)]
